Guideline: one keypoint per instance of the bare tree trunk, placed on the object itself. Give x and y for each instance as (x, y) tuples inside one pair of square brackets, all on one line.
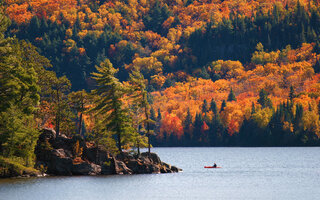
[(80, 120), (148, 129), (97, 154), (80, 124), (119, 142), (138, 140), (58, 115)]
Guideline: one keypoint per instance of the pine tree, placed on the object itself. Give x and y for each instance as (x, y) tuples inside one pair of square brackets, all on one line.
[(316, 67), (291, 94), (139, 95), (298, 122), (213, 106), (253, 109), (204, 108), (78, 102), (216, 131), (109, 104), (198, 122), (264, 100), (231, 96), (152, 114), (187, 126), (57, 90), (223, 105)]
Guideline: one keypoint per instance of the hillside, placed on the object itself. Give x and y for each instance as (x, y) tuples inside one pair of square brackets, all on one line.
[(196, 73)]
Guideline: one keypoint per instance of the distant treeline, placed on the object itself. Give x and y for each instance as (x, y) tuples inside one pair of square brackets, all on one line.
[(266, 126)]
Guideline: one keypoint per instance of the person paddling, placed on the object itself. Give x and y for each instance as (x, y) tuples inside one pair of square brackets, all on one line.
[(214, 165)]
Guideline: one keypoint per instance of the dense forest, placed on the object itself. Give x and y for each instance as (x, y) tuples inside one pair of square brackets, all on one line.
[(128, 74)]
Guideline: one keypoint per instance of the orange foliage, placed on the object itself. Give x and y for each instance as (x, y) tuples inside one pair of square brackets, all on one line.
[(171, 124), (275, 78)]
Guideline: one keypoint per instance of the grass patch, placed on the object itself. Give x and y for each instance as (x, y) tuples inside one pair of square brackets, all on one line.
[(11, 168)]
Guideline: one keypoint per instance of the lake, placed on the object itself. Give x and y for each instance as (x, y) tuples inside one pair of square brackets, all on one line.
[(246, 173)]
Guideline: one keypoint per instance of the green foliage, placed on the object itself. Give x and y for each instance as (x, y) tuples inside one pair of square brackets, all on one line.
[(291, 93), (239, 37), (109, 104), (55, 92), (12, 167), (19, 96), (262, 117), (213, 106), (231, 96), (264, 100), (157, 15), (253, 108), (223, 105), (139, 96), (78, 102), (204, 107), (187, 125)]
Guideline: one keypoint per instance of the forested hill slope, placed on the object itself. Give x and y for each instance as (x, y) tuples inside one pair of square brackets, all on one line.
[(221, 72), (160, 37)]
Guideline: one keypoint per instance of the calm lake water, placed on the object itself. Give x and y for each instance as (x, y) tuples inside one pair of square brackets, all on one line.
[(246, 173)]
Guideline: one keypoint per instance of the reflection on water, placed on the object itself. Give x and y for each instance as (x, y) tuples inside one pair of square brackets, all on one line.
[(246, 173)]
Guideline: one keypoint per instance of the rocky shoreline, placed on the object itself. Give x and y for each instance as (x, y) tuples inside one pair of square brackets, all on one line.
[(60, 155)]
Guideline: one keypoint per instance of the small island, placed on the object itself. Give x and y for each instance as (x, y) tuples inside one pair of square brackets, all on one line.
[(59, 155)]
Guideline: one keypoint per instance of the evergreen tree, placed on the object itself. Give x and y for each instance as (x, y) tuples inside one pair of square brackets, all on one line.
[(298, 122), (223, 105), (139, 95), (198, 122), (264, 100), (316, 67), (57, 93), (213, 106), (231, 96), (216, 131), (187, 126), (291, 94), (153, 114), (78, 102), (109, 104), (204, 108), (253, 109), (204, 74)]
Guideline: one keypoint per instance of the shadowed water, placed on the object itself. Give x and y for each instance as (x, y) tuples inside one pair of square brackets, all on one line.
[(246, 173)]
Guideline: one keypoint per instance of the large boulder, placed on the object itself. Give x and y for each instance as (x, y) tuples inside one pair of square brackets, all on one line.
[(142, 166), (152, 157), (165, 168), (175, 169), (121, 168), (59, 165), (86, 168), (64, 143), (97, 155)]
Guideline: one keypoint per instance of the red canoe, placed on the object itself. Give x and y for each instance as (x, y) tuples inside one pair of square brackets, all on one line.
[(211, 167)]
